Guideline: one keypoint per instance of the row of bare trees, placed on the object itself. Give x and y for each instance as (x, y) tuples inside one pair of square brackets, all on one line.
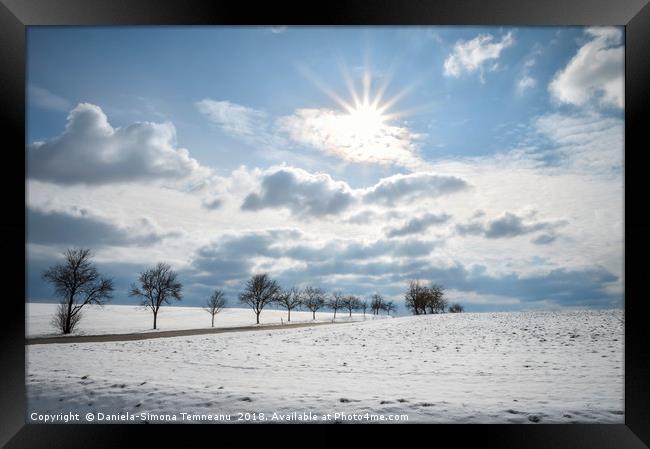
[(260, 291), (77, 282)]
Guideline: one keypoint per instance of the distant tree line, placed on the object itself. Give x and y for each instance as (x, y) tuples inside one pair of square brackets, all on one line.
[(77, 282)]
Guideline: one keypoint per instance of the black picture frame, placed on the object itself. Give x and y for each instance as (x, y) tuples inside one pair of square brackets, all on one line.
[(16, 15)]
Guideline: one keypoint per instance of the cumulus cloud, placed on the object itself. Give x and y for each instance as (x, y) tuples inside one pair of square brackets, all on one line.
[(353, 139), (308, 194), (304, 193), (91, 151), (418, 225), (234, 256), (405, 187), (511, 225), (232, 118), (83, 229), (473, 55), (595, 73)]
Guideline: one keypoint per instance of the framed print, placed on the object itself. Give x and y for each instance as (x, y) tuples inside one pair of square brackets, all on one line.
[(375, 214)]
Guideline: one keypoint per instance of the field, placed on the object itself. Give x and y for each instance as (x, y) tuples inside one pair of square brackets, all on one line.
[(524, 367)]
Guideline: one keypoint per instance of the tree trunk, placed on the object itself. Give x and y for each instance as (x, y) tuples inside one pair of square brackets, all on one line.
[(334, 313), (289, 315), (350, 313), (68, 317), (155, 316), (257, 315), (212, 320), (313, 314)]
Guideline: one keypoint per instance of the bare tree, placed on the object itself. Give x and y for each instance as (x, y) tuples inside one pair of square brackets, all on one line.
[(61, 315), (421, 299), (78, 283), (351, 303), (435, 301), (456, 308), (389, 307), (335, 302), (260, 290), (416, 297), (364, 307), (215, 303), (313, 298), (376, 303), (289, 299), (158, 286)]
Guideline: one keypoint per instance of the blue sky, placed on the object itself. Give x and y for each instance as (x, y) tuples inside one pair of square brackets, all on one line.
[(496, 170)]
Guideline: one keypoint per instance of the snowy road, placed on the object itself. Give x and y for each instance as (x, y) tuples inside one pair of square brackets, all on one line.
[(102, 338)]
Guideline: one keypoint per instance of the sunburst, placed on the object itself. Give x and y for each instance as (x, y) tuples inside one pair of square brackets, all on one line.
[(365, 127)]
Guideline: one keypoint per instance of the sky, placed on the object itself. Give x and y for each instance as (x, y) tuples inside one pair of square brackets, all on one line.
[(485, 159)]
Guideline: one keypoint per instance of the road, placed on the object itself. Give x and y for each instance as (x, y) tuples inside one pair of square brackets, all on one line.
[(162, 334)]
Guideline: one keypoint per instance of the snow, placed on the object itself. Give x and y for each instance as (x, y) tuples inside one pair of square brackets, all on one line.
[(122, 319), (523, 367)]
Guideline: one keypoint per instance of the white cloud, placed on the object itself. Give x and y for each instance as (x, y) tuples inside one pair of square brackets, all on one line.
[(339, 134), (526, 82), (232, 118), (91, 151), (45, 99), (401, 187), (588, 142), (472, 55), (595, 73), (352, 137)]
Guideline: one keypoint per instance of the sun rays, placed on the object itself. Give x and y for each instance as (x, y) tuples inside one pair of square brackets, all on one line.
[(365, 127)]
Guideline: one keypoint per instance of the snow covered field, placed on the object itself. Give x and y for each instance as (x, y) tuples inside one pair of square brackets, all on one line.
[(546, 367), (122, 319)]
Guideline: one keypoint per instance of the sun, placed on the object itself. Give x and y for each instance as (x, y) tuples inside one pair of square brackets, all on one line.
[(364, 115), (365, 118), (365, 128)]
